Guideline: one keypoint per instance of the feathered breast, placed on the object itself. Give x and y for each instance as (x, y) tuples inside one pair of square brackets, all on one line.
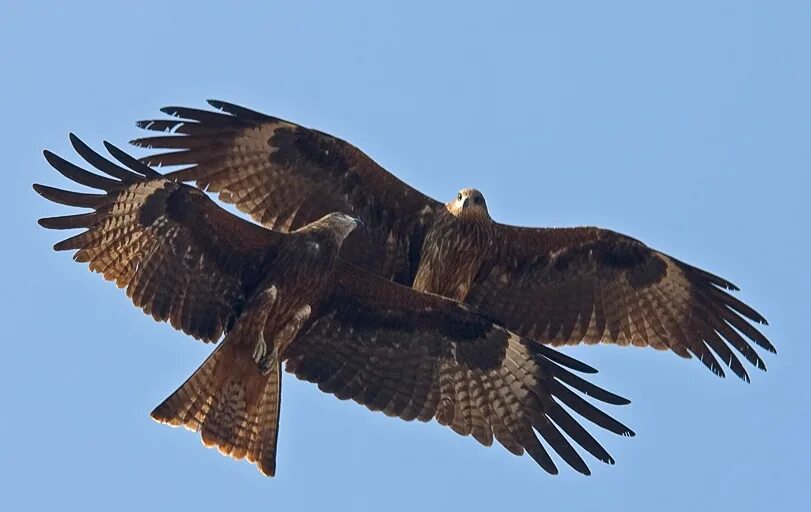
[(452, 253)]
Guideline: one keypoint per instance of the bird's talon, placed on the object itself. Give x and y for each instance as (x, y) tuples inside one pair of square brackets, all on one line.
[(266, 362)]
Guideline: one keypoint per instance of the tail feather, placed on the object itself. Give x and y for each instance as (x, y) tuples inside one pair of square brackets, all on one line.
[(233, 405)]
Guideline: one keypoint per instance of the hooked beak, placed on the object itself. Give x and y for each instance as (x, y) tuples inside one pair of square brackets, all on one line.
[(359, 223)]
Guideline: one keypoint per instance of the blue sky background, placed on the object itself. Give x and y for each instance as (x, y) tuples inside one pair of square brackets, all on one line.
[(685, 125)]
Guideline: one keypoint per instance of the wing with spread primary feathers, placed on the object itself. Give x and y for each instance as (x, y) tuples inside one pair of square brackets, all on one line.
[(571, 285), (421, 356), (285, 175), (180, 257)]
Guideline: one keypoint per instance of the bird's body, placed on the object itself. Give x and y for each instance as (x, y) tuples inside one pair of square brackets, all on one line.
[(456, 245), (558, 286), (234, 398), (273, 297)]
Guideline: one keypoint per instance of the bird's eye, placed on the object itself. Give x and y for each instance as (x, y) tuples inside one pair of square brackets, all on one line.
[(459, 196)]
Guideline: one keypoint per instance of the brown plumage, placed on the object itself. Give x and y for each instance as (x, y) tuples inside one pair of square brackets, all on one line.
[(558, 286), (289, 297)]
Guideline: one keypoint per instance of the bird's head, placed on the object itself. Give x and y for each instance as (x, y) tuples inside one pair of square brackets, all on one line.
[(338, 224), (469, 203)]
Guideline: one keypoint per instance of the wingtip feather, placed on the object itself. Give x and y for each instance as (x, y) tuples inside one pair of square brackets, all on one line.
[(50, 156), (564, 360)]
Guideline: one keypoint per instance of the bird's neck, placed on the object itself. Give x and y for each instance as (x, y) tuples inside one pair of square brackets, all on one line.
[(474, 214)]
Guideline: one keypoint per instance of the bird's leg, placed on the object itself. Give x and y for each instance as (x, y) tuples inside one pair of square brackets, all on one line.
[(264, 359), (260, 350), (291, 329)]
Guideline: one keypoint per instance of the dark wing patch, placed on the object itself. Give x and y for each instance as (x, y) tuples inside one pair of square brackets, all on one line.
[(285, 176), (572, 285), (420, 356), (181, 258)]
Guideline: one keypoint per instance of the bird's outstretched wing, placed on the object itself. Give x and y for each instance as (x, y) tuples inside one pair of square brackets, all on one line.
[(181, 258), (571, 285), (285, 175), (559, 286), (421, 356)]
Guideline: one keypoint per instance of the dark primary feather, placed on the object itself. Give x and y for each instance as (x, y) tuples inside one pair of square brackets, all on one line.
[(180, 257), (104, 165), (420, 356)]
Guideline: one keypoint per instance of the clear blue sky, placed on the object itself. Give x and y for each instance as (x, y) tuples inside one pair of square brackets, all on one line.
[(686, 126)]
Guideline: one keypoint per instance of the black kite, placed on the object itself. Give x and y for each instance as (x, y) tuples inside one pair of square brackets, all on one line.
[(288, 297)]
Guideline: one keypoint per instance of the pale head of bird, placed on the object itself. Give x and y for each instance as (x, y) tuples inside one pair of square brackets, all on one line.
[(469, 204), (337, 224)]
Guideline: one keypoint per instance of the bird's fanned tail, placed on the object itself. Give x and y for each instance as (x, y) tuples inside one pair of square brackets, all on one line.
[(233, 405)]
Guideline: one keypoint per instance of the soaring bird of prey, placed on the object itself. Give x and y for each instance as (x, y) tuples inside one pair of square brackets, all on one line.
[(289, 297), (559, 286)]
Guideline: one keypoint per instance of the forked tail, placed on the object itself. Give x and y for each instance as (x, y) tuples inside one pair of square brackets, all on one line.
[(233, 405)]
